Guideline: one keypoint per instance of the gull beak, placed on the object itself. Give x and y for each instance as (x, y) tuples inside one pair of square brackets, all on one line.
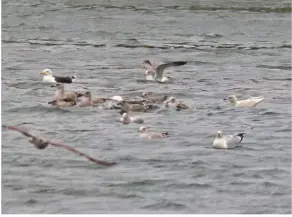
[(225, 99), (43, 73)]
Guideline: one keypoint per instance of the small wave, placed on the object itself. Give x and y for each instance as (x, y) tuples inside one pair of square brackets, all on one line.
[(271, 114), (38, 108), (189, 185), (277, 79), (165, 205), (250, 9), (275, 67)]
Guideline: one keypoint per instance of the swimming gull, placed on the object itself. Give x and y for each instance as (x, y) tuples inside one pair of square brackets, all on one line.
[(247, 103), (85, 100), (172, 103), (48, 77), (62, 103), (148, 96), (126, 119), (151, 135), (227, 141), (155, 73), (61, 94), (42, 143)]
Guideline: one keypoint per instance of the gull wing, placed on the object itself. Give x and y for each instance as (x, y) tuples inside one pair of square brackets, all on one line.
[(60, 79), (160, 68), (233, 140), (20, 130), (69, 148)]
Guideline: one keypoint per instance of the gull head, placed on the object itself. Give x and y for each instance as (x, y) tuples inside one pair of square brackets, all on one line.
[(232, 99), (171, 99), (219, 134), (146, 63), (142, 129), (73, 77), (125, 115), (87, 94), (147, 73), (47, 72)]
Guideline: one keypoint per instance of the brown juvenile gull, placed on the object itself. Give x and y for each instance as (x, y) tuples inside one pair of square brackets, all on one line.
[(134, 106), (61, 94), (126, 119), (227, 141), (155, 73), (151, 135), (247, 103), (48, 77), (172, 103), (42, 143), (85, 100), (153, 99), (62, 103)]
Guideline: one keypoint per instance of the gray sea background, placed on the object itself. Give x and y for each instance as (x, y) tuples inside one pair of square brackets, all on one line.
[(231, 46)]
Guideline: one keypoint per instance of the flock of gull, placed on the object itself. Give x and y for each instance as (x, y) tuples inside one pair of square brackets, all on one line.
[(147, 101)]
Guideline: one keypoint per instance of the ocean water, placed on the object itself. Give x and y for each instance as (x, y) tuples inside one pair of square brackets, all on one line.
[(232, 47)]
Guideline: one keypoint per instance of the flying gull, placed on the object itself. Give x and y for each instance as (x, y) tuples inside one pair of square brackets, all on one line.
[(42, 143), (48, 77), (155, 73), (227, 141)]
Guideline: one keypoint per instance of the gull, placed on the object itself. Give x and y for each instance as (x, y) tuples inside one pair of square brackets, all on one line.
[(60, 93), (247, 103), (227, 141), (85, 100), (134, 106), (172, 103), (151, 135), (155, 73), (42, 143), (153, 99), (126, 119), (62, 103), (48, 77)]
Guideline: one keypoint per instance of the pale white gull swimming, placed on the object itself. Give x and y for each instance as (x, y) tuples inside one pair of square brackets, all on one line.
[(126, 119), (247, 103), (227, 141), (145, 134)]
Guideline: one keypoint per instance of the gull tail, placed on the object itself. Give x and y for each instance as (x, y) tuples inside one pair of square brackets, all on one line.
[(165, 134)]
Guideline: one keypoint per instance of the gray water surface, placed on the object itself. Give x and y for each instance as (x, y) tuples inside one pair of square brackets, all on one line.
[(232, 47)]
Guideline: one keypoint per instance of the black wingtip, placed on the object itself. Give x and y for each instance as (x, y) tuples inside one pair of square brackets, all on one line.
[(240, 135)]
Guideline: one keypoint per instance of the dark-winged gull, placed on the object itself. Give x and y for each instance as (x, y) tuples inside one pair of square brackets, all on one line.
[(42, 143), (48, 77), (155, 73)]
